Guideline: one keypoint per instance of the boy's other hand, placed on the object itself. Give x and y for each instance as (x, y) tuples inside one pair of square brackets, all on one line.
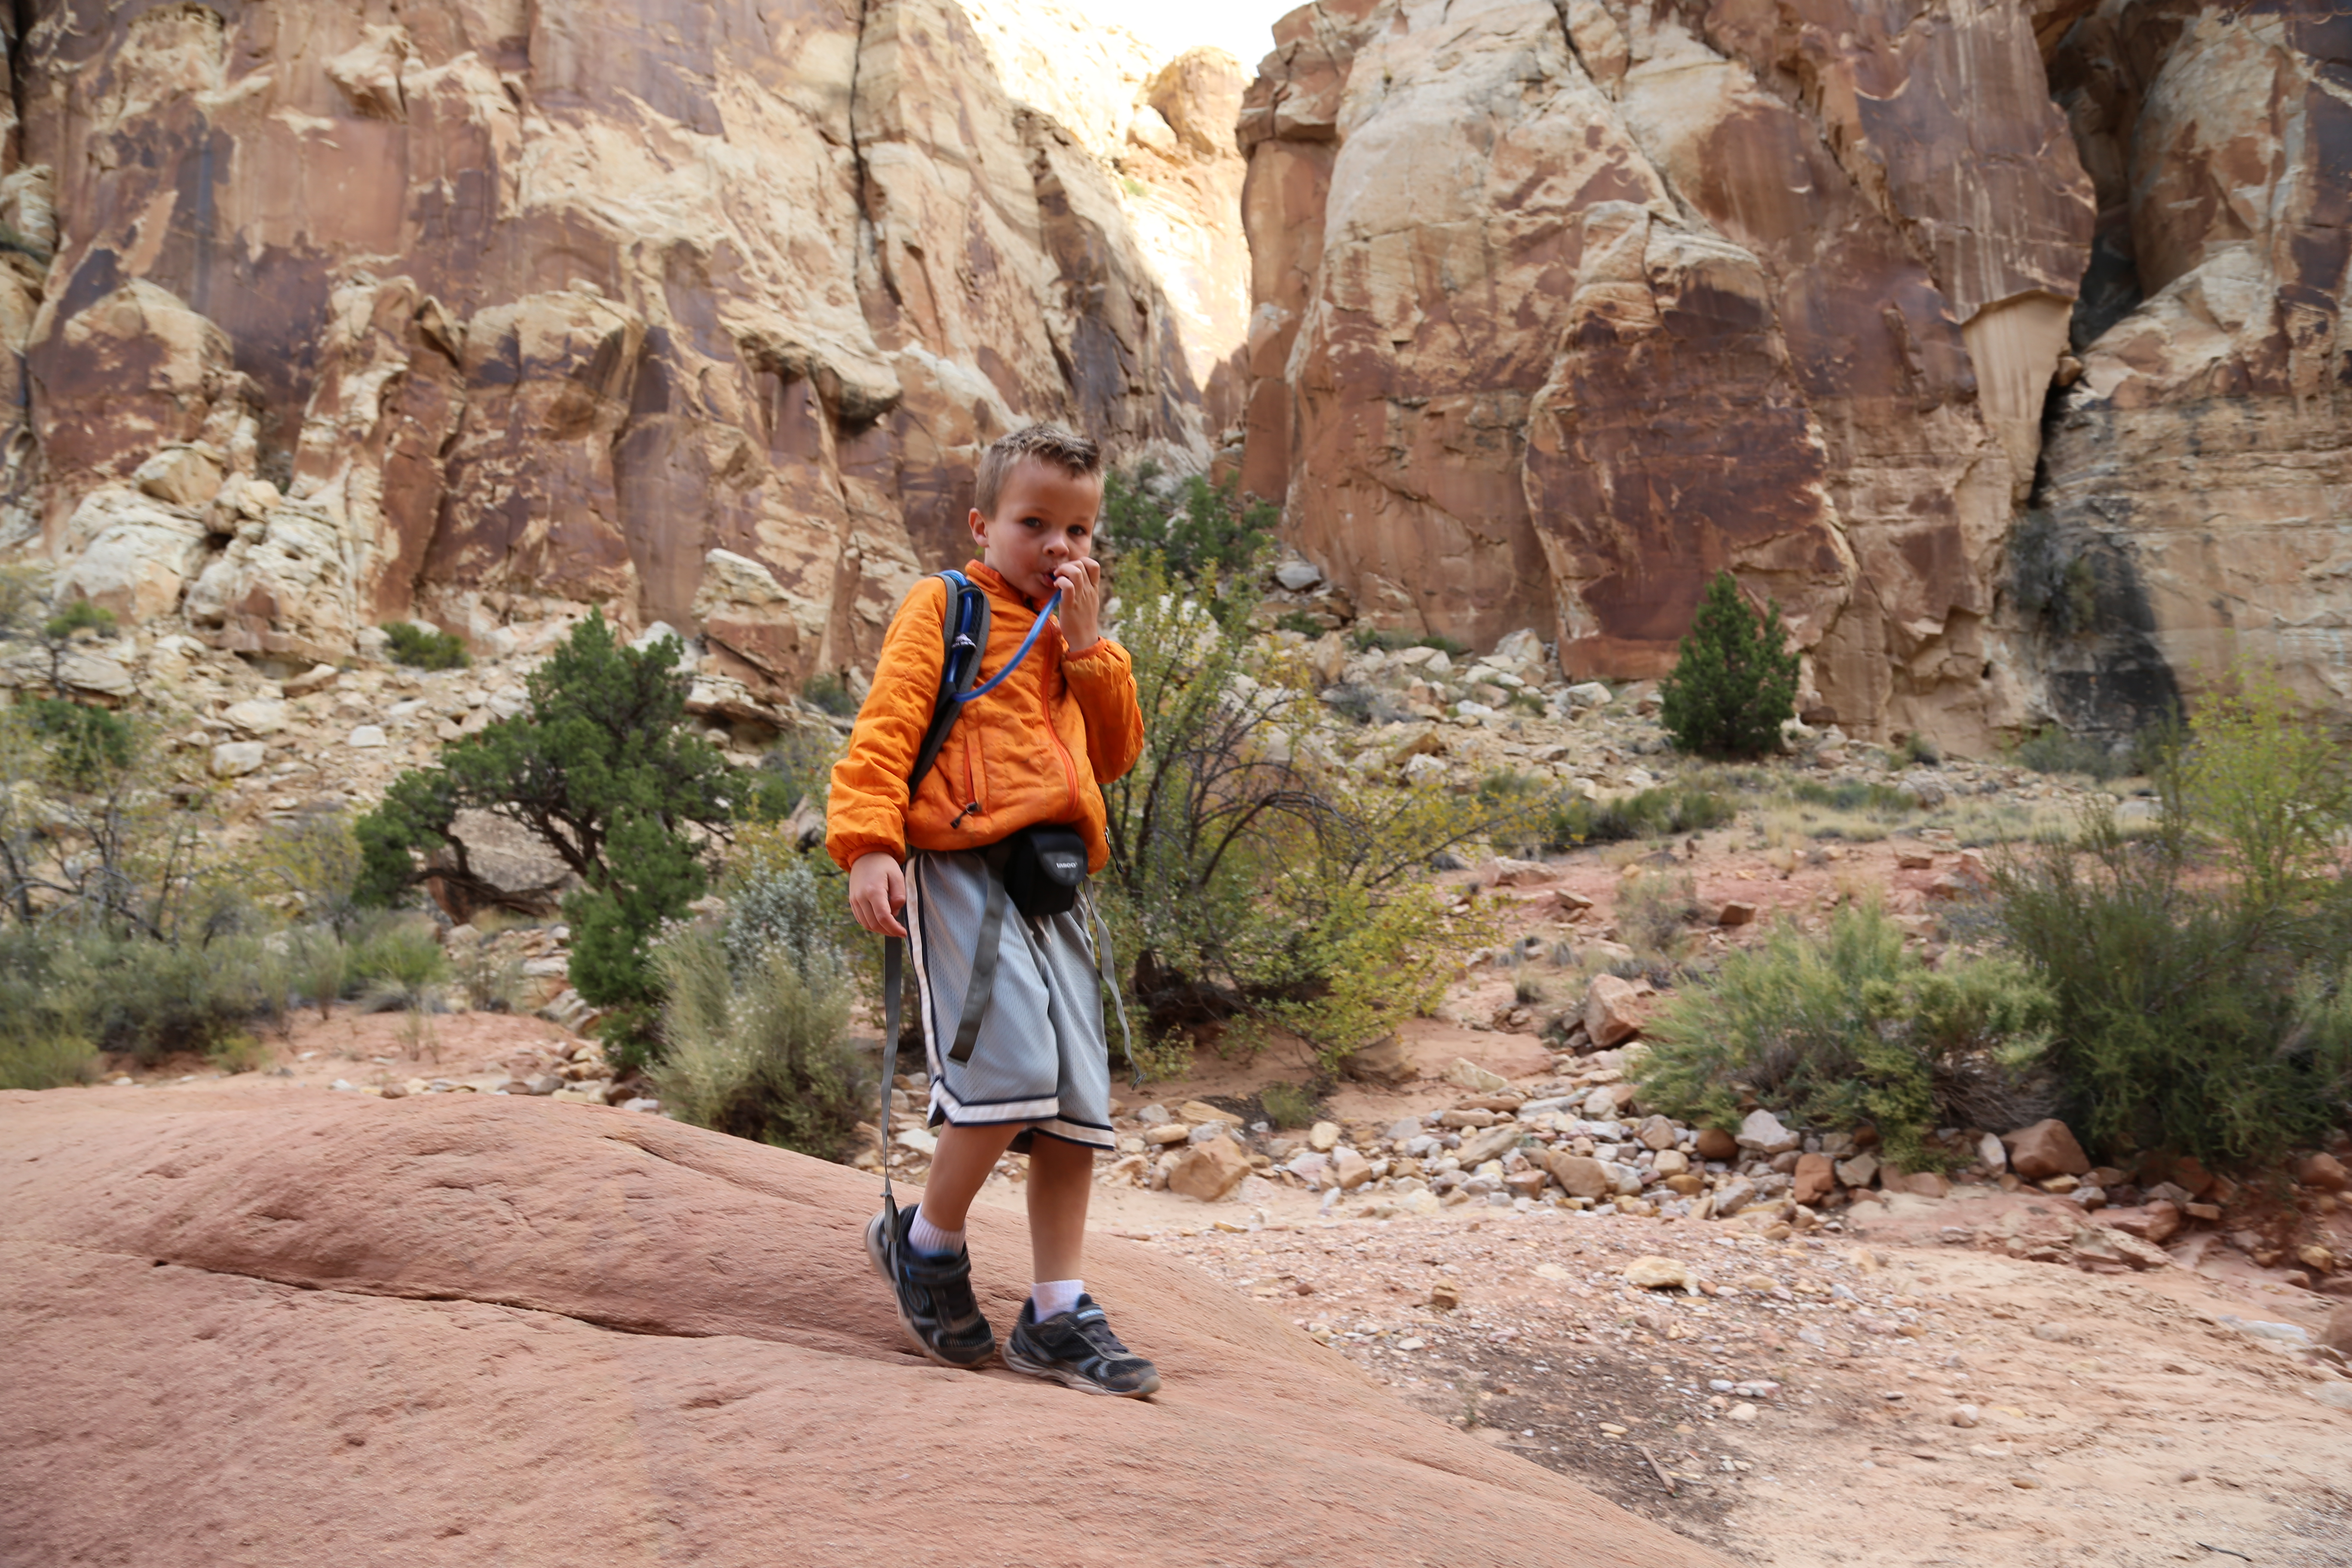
[(877, 891), (1081, 614)]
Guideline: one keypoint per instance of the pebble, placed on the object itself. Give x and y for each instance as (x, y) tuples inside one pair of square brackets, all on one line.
[(1743, 1412), (1965, 1415)]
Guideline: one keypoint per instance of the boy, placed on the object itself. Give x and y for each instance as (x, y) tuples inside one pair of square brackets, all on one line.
[(1034, 750)]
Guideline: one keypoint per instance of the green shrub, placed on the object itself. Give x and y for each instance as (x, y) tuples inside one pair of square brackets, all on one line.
[(44, 1015), (1289, 1105), (398, 955), (1665, 811), (1734, 683), (829, 692), (1249, 881), (1198, 532), (1365, 638), (1854, 794), (88, 742), (425, 647), (155, 999), (758, 1053), (2198, 969), (604, 769), (1922, 751), (1304, 622), (1847, 1028), (2053, 751), (1653, 910)]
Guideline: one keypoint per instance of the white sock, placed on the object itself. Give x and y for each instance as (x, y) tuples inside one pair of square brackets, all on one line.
[(927, 1238), (1052, 1298)]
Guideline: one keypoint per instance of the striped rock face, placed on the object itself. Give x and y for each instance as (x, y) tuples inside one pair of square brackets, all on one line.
[(1562, 309), (494, 306)]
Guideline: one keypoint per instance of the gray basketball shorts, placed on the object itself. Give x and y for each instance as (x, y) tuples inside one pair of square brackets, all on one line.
[(1041, 1058)]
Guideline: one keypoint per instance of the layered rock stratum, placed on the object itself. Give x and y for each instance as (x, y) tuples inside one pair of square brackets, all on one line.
[(455, 1329), (330, 314), (1563, 307)]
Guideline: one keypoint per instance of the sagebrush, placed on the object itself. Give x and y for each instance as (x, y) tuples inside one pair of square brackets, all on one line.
[(1847, 1028)]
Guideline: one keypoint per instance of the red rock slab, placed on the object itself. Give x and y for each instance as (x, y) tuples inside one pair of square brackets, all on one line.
[(460, 1331)]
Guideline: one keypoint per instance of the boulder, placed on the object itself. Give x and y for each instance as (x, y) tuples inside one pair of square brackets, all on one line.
[(2045, 1149), (467, 1240), (1859, 1171), (1351, 1169), (1579, 1176), (1761, 1133), (234, 759), (1715, 1143), (1491, 1143), (1209, 1170), (2324, 1172), (2157, 1221), (1816, 1179), (1388, 1061), (1612, 1015)]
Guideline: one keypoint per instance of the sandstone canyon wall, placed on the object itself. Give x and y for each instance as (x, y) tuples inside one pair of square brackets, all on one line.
[(330, 313), (1562, 308)]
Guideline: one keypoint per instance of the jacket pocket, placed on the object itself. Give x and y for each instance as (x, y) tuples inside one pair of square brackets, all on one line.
[(975, 772)]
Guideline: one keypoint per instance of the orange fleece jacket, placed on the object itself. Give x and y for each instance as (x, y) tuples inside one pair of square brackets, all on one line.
[(1036, 749)]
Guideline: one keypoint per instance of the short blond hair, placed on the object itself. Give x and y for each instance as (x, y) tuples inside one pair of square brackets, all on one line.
[(1054, 445)]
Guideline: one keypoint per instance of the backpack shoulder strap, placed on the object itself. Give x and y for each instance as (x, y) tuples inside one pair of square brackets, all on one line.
[(964, 628)]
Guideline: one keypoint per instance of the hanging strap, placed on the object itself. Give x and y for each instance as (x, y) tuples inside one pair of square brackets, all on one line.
[(981, 987), (893, 981)]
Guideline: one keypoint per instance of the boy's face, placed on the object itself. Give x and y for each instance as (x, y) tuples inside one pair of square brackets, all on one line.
[(1044, 520)]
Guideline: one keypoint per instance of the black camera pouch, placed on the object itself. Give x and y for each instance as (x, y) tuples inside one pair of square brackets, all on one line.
[(1044, 868)]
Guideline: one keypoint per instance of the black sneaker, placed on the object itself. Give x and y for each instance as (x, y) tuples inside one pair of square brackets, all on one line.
[(1077, 1348), (935, 1300)]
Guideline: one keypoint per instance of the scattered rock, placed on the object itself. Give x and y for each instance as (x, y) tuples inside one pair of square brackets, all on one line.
[(1762, 1132), (1735, 913), (1715, 1143), (2045, 1149), (1467, 1074), (1199, 1112), (1610, 1016), (1580, 1177), (366, 737), (1816, 1178), (2338, 1333), (1859, 1171), (1323, 1136), (234, 759), (1351, 1169), (1655, 1273), (2324, 1172), (2157, 1221), (1386, 1061), (1209, 1170), (1965, 1415)]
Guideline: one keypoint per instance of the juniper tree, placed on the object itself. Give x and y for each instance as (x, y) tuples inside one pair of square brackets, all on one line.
[(1735, 677), (599, 768)]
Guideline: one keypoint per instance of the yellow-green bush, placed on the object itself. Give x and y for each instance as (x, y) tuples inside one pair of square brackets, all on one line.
[(1848, 1028)]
